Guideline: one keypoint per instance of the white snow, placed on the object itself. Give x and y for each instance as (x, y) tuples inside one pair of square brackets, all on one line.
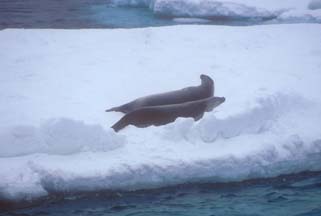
[(57, 136), (237, 9), (56, 84), (296, 16), (191, 20)]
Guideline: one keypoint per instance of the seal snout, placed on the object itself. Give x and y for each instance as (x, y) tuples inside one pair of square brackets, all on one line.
[(220, 100), (204, 77), (206, 80)]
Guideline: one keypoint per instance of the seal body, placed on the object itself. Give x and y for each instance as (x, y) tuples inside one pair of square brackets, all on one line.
[(164, 114), (205, 90)]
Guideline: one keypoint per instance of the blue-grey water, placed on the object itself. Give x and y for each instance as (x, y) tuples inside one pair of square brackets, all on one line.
[(292, 195), (73, 14)]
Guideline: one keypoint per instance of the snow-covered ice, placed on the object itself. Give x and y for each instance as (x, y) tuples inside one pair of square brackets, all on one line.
[(278, 11), (297, 16), (56, 84)]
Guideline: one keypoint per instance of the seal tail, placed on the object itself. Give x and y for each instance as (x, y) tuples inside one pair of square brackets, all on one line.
[(123, 108), (116, 109)]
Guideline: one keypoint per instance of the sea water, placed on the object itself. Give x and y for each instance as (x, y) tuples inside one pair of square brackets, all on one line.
[(72, 14), (75, 14), (291, 195)]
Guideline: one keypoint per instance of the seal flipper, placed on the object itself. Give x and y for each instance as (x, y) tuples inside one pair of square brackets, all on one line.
[(120, 124), (198, 117), (112, 109)]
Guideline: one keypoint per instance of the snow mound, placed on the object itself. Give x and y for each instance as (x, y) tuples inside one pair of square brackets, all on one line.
[(257, 120), (58, 136)]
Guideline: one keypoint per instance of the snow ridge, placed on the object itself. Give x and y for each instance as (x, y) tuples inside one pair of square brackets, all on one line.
[(57, 136)]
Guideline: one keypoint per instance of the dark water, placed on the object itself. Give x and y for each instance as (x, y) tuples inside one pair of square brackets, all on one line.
[(292, 195), (74, 14)]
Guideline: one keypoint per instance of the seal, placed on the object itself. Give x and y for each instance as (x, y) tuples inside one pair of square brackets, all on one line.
[(164, 114), (204, 90)]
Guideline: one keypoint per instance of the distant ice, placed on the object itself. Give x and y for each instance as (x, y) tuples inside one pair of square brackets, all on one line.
[(191, 20), (295, 16), (210, 9), (232, 10)]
